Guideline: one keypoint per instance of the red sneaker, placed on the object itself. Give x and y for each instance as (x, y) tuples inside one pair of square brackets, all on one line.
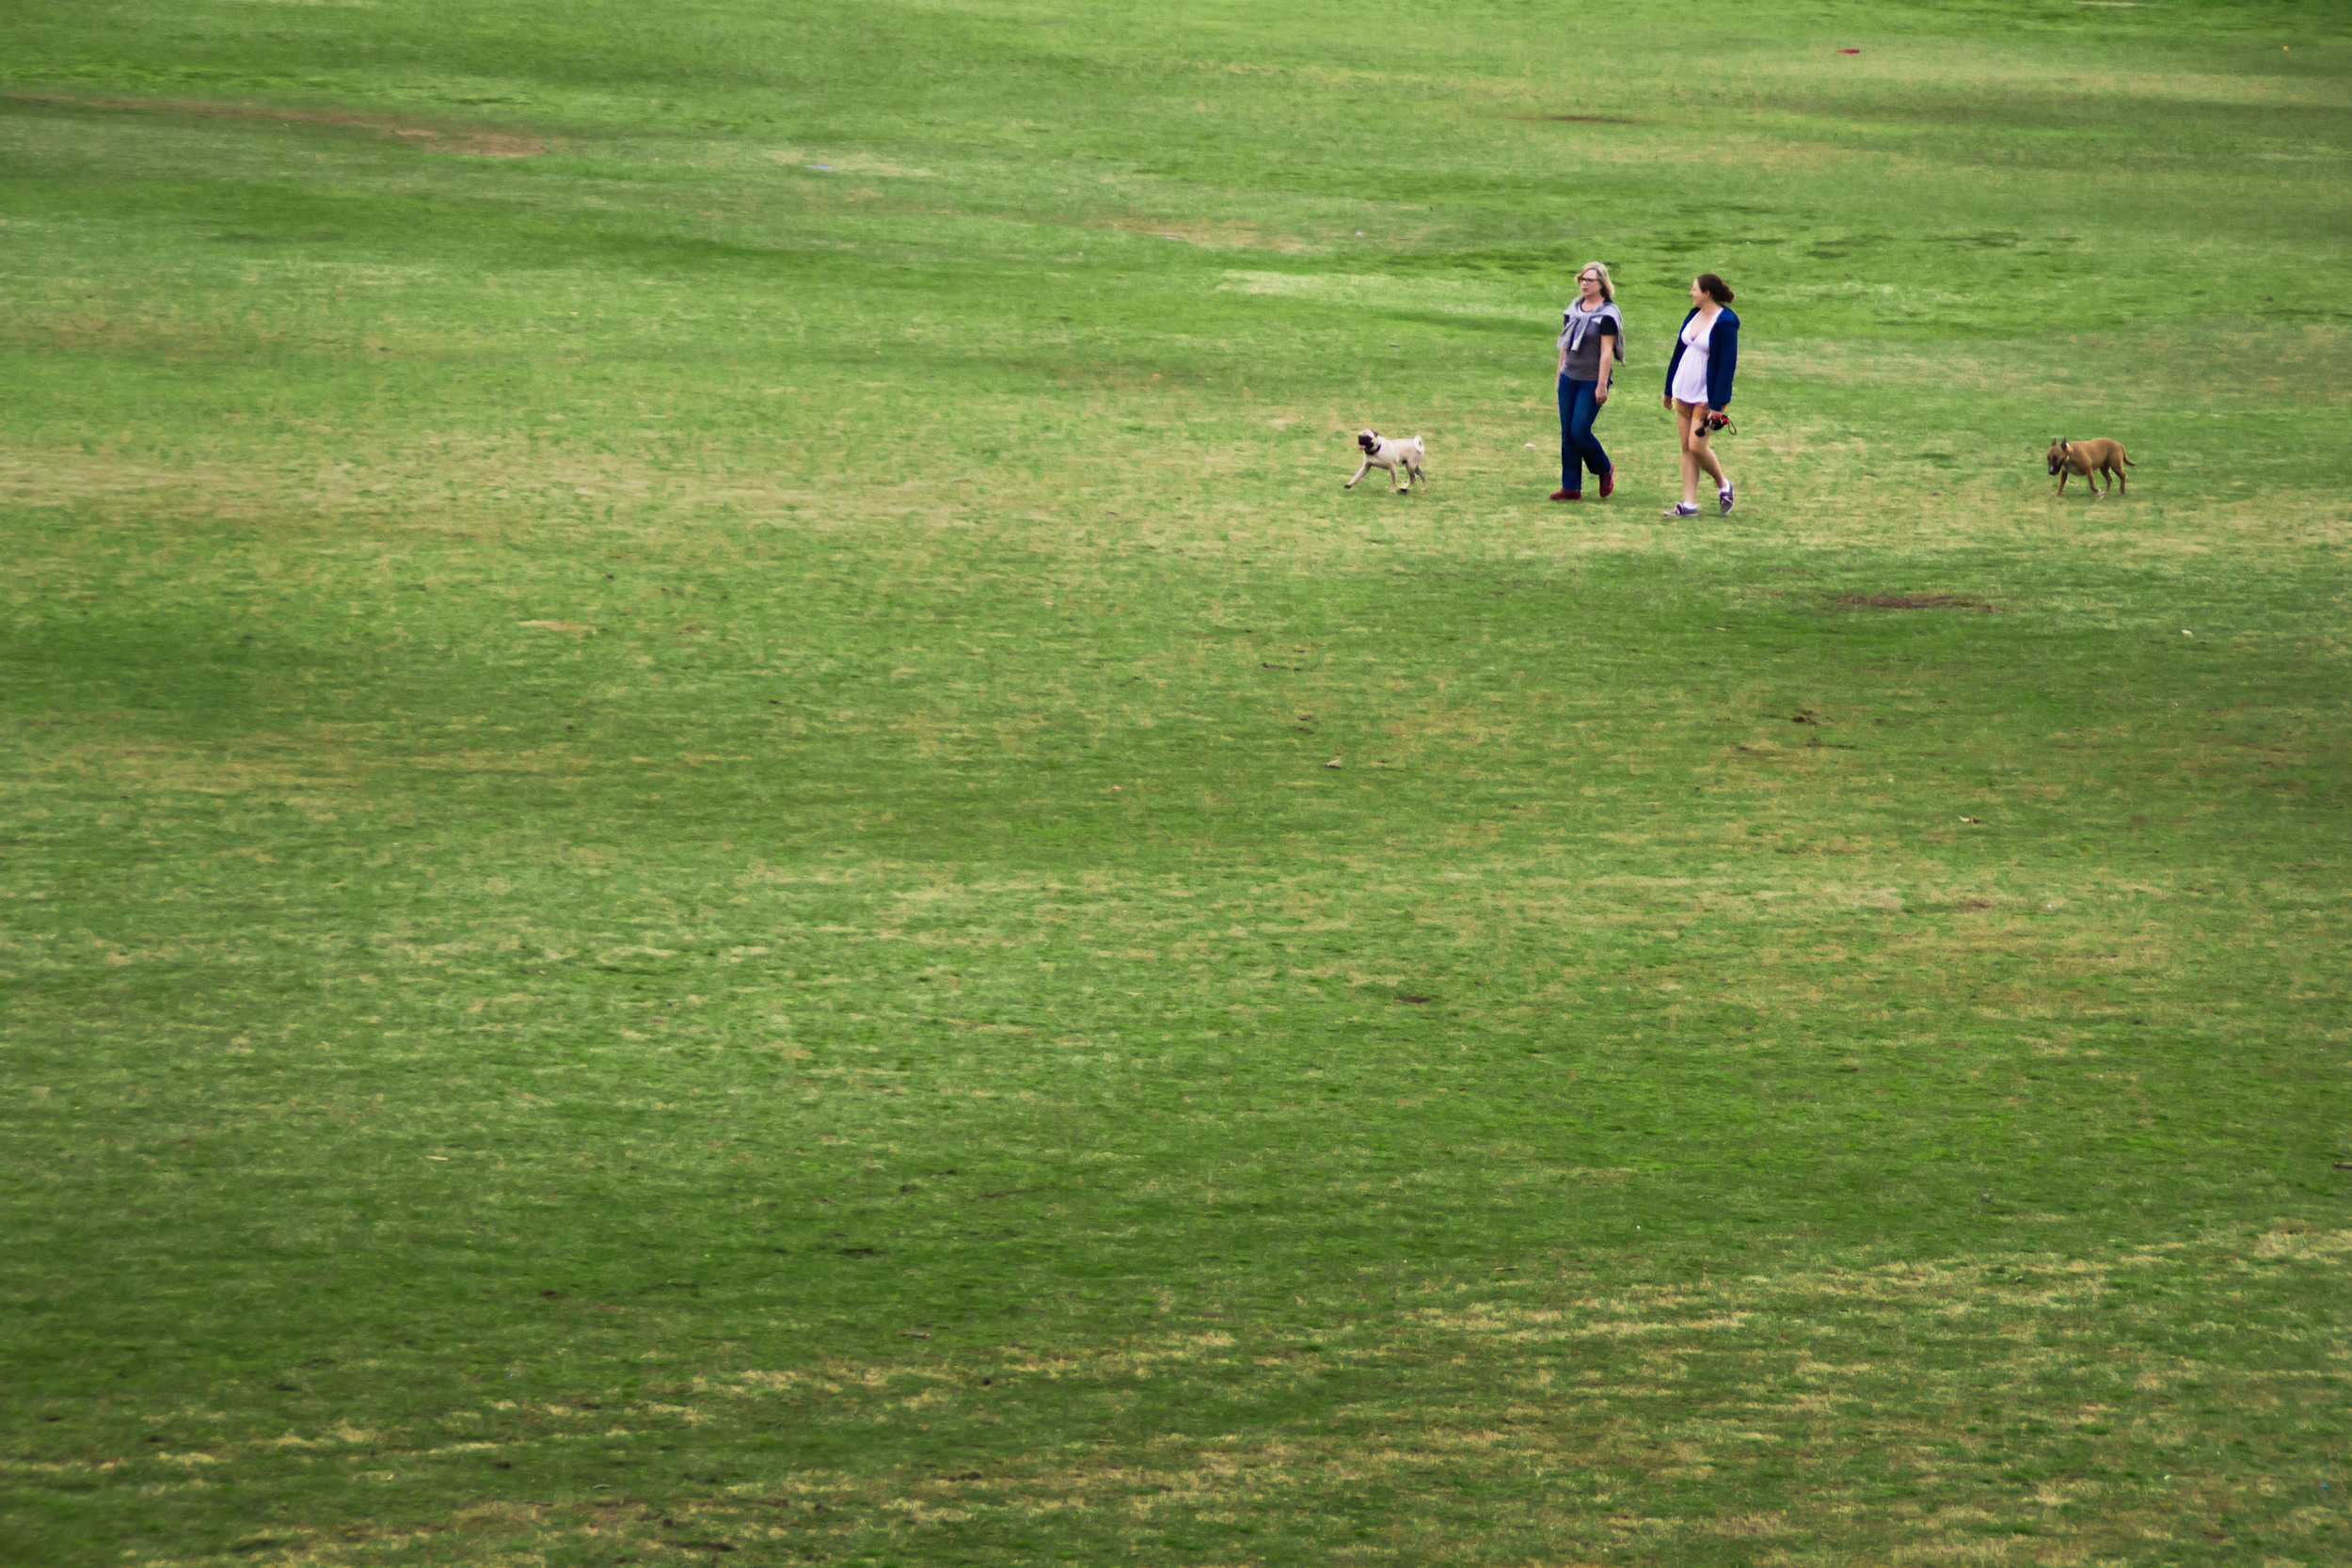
[(1567, 495), (1608, 483)]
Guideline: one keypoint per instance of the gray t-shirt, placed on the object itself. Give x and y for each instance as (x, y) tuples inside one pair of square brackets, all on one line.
[(1584, 360)]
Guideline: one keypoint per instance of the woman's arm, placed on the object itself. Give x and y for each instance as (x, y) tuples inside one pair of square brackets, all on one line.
[(1722, 358), (1608, 330)]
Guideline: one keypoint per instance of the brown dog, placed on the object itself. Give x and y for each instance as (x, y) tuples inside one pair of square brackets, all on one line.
[(2090, 459)]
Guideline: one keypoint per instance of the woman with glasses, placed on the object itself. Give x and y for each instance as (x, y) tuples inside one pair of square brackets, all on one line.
[(1592, 339)]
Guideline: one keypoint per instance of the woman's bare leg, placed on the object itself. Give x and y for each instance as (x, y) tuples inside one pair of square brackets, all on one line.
[(1704, 455)]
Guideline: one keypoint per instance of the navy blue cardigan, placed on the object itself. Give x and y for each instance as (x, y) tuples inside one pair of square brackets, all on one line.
[(1722, 356)]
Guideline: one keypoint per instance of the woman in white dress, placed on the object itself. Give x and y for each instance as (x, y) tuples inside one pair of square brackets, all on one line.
[(1698, 387)]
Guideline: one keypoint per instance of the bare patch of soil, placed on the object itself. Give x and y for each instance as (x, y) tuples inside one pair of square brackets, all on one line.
[(1915, 601), (1209, 233), (471, 143)]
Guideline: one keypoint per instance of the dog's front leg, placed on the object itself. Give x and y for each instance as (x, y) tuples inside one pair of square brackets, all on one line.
[(2064, 474), (1360, 472)]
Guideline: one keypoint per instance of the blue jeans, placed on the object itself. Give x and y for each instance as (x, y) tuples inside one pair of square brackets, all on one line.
[(1579, 448)]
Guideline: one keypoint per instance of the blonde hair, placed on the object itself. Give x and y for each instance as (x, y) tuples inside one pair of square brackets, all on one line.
[(1607, 290)]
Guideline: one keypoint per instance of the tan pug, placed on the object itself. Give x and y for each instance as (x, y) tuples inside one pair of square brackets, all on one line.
[(1402, 459), (2090, 459)]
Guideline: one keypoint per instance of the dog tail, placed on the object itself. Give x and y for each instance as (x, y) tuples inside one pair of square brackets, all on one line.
[(2126, 457)]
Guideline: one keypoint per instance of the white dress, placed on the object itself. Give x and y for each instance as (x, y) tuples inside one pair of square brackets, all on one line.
[(1691, 376)]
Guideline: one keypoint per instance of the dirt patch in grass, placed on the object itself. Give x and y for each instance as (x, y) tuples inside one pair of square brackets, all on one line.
[(1681, 1382), (1576, 119), (470, 142), (1210, 233), (1915, 601), (300, 775), (847, 163)]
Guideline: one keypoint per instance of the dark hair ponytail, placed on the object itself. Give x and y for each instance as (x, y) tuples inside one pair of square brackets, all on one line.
[(1715, 287)]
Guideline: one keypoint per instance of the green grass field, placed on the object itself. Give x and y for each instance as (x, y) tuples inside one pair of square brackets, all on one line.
[(718, 840)]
